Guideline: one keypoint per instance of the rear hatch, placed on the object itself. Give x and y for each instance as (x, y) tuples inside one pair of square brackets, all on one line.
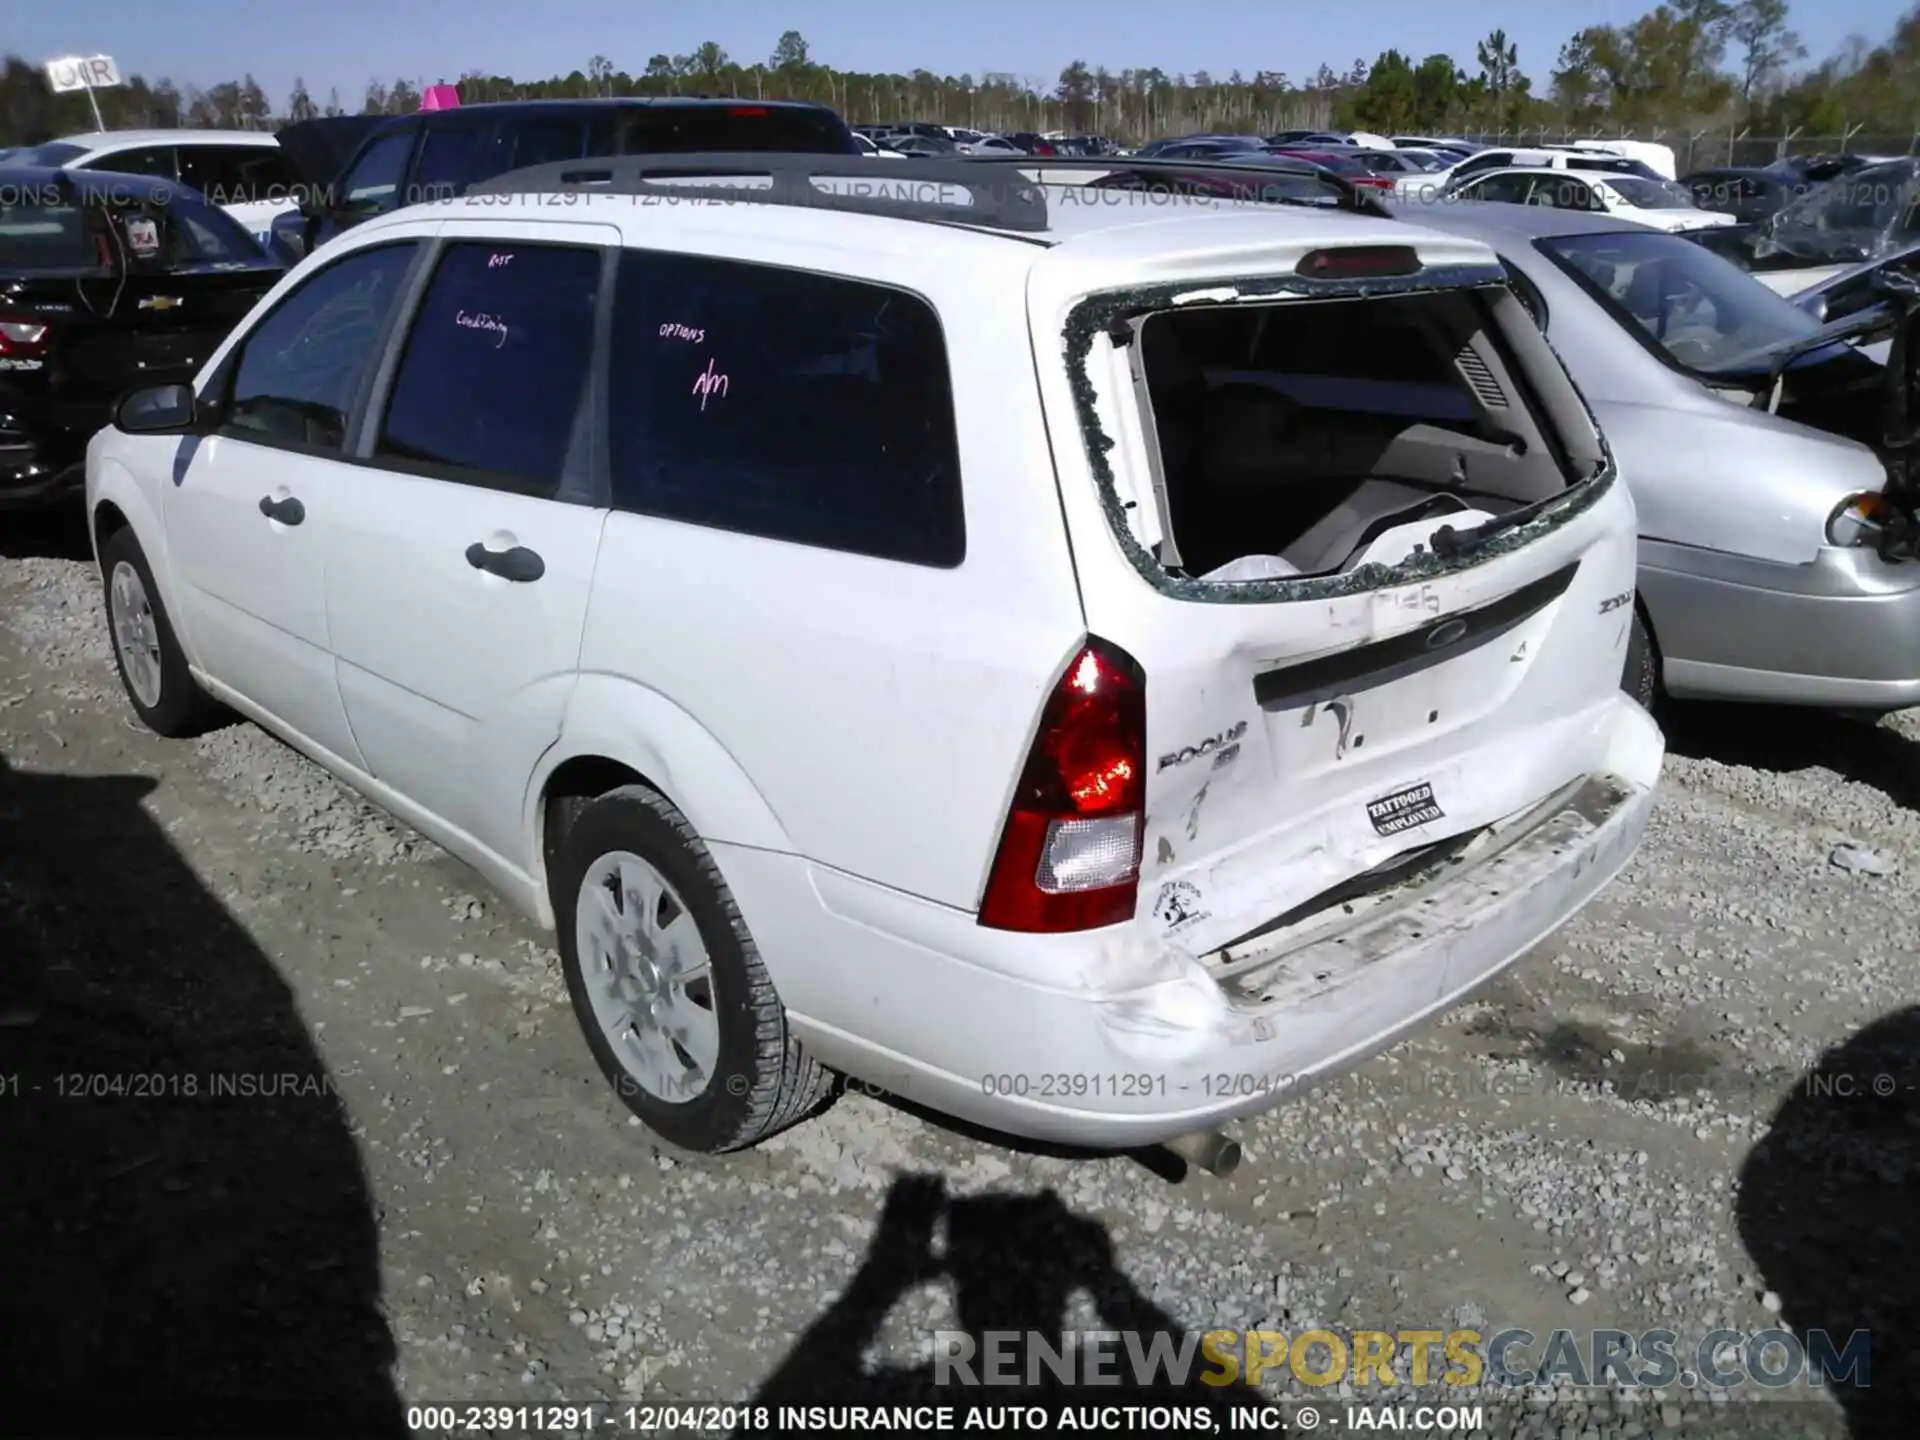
[(113, 288), (1357, 528)]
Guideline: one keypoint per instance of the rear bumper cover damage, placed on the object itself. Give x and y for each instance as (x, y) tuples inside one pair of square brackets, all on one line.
[(921, 1002)]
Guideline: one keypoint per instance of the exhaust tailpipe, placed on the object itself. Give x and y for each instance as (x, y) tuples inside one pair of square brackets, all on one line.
[(1213, 1151)]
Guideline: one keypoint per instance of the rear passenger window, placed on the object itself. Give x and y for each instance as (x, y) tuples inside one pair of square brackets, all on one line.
[(700, 127), (513, 146), (373, 187), (236, 174), (153, 160), (449, 157), (490, 387), (780, 403), (544, 142), (301, 368)]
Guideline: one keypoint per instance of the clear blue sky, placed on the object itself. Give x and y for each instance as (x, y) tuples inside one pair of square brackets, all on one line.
[(345, 43)]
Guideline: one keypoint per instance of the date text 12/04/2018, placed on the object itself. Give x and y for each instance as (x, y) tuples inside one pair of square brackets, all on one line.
[(490, 1422)]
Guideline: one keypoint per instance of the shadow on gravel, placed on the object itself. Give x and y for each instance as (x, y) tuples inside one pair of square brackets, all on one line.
[(173, 1261), (56, 533), (1013, 1263), (1786, 737), (1826, 1209), (1159, 1162)]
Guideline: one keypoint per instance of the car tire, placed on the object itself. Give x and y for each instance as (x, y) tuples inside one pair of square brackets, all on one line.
[(741, 1075), (146, 652), (1640, 677)]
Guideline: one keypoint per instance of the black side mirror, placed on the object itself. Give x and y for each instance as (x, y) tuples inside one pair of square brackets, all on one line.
[(157, 410)]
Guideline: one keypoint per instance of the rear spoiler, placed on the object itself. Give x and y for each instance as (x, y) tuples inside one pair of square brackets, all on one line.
[(319, 149)]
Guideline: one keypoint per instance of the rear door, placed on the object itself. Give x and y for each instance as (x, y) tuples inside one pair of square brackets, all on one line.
[(459, 569)]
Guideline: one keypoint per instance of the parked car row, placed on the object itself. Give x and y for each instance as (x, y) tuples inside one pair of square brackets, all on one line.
[(112, 276), (1060, 777), (924, 138), (1810, 221)]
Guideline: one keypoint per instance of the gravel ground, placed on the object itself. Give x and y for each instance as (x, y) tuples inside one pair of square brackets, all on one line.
[(1645, 1124)]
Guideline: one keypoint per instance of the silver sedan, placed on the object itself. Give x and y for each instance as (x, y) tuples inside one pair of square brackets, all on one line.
[(1776, 554)]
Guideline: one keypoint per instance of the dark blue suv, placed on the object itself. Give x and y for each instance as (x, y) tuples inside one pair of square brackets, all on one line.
[(434, 155)]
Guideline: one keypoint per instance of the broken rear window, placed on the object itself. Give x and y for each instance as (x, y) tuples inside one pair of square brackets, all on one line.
[(1313, 436)]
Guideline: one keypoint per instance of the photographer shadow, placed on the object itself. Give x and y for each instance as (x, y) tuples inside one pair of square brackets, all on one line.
[(187, 1240), (1014, 1263), (1825, 1209)]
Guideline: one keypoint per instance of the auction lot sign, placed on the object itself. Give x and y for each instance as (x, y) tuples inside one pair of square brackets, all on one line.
[(94, 72)]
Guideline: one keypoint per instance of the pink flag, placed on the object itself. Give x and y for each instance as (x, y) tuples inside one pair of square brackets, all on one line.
[(440, 97)]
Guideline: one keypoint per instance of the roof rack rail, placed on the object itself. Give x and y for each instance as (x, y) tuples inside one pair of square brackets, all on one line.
[(993, 201), (1348, 196)]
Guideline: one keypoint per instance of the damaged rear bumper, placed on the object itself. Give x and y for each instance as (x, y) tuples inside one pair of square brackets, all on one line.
[(908, 997)]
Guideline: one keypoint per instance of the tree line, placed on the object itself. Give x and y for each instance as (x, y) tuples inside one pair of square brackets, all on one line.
[(1687, 64)]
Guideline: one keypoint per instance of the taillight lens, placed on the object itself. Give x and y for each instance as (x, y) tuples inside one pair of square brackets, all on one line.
[(22, 337), (1069, 858)]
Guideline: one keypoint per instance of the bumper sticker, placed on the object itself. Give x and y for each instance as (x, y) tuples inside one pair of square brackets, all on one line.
[(1404, 809), (1178, 906)]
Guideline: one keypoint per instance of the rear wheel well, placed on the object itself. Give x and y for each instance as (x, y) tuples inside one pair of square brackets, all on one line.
[(1653, 638), (570, 789)]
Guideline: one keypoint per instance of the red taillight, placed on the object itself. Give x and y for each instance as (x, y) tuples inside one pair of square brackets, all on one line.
[(1042, 148), (23, 338), (1069, 857), (753, 111)]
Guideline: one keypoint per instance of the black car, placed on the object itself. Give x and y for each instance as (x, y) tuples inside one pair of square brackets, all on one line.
[(1808, 170), (108, 282), (1746, 193), (438, 154)]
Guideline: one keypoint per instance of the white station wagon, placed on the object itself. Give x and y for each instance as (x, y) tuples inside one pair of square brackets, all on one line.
[(1089, 661)]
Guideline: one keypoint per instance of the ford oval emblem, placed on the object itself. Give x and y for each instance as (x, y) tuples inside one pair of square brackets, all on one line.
[(1445, 633)]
